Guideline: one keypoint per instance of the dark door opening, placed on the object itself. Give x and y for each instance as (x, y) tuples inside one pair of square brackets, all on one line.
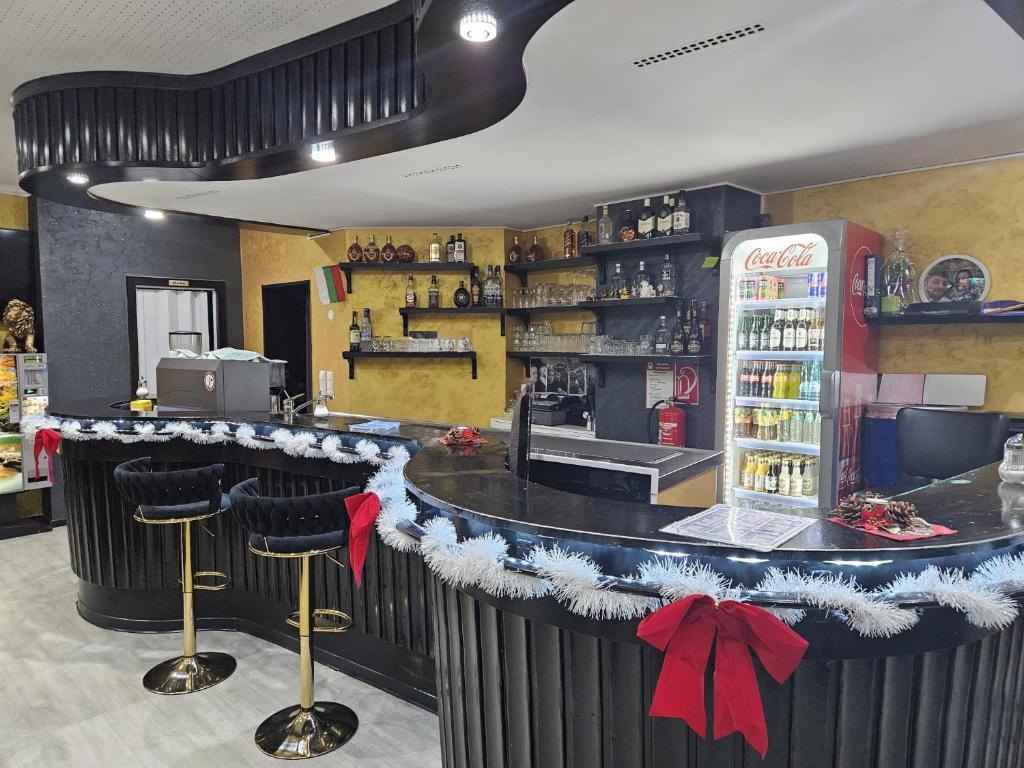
[(286, 334)]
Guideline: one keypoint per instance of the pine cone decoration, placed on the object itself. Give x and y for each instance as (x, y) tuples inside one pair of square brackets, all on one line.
[(902, 513), (850, 509)]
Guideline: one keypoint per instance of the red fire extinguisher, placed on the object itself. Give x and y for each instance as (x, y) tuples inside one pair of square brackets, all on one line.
[(671, 424)]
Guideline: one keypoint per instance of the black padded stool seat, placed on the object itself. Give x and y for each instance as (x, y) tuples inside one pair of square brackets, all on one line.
[(300, 527), (183, 497)]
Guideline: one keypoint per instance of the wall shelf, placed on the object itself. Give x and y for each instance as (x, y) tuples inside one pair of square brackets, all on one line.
[(601, 360), (350, 267), (637, 247), (353, 356), (407, 312), (945, 320), (624, 303)]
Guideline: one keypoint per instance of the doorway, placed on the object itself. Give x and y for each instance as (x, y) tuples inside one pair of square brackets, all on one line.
[(286, 333)]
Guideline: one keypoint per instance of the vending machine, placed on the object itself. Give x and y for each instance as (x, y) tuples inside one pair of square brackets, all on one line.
[(24, 391), (797, 363)]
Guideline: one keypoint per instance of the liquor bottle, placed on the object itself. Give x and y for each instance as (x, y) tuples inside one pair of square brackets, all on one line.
[(535, 252), (694, 335), (681, 216), (801, 331), (461, 297), (371, 253), (366, 332), (355, 251), (667, 283), (643, 284), (627, 232), (765, 342), (449, 249), (775, 336), (435, 249), (499, 288), (569, 241), (661, 338), (410, 292), (678, 344), (789, 332), (605, 227), (433, 294), (515, 253), (617, 281), (663, 226), (389, 254), (460, 249), (476, 291), (583, 238), (645, 222), (354, 334)]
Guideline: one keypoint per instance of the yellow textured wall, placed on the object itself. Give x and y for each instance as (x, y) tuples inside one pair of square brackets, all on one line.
[(440, 390), (13, 212), (975, 209)]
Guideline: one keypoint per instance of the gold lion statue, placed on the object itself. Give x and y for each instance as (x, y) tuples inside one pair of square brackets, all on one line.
[(20, 321)]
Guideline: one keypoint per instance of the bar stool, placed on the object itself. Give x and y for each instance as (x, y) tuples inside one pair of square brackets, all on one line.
[(180, 497), (300, 527)]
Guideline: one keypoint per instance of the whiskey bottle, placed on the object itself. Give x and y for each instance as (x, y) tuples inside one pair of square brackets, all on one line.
[(499, 288), (450, 249), (645, 222), (435, 250), (355, 251), (353, 334), (389, 254), (681, 216), (433, 294), (515, 253), (366, 332), (661, 338), (605, 227), (371, 253), (626, 232), (617, 281), (678, 344), (461, 297), (410, 292), (460, 249), (663, 226), (569, 241), (535, 252), (643, 284), (583, 238), (478, 292), (667, 282), (694, 334)]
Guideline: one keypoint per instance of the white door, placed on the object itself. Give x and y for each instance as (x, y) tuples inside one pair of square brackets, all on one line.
[(162, 310)]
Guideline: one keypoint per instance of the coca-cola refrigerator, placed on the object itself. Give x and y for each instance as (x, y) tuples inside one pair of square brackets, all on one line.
[(797, 363)]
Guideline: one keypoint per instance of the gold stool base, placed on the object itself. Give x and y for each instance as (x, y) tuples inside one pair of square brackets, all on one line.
[(188, 674), (295, 733)]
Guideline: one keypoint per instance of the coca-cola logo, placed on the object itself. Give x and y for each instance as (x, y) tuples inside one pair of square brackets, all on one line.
[(857, 285), (793, 256)]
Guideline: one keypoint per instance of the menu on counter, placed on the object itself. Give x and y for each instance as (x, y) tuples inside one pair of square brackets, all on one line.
[(741, 527)]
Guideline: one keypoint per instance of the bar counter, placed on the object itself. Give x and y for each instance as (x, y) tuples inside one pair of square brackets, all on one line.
[(528, 682)]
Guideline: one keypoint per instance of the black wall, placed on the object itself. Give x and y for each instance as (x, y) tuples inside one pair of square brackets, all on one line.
[(17, 268), (84, 257)]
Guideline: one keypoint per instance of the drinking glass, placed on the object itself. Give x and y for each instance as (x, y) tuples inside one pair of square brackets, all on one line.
[(646, 344)]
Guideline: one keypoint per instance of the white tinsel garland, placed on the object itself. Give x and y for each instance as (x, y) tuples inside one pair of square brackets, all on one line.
[(576, 580)]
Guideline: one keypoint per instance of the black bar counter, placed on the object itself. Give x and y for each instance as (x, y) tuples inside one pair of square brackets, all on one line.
[(527, 682)]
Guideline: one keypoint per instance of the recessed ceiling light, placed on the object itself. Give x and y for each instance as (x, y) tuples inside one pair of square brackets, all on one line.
[(478, 27), (78, 178), (323, 152), (151, 214)]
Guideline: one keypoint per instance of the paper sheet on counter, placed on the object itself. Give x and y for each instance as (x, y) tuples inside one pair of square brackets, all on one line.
[(754, 529)]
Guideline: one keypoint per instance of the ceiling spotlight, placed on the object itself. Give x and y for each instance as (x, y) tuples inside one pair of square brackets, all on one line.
[(323, 152), (78, 178), (478, 27), (151, 214)]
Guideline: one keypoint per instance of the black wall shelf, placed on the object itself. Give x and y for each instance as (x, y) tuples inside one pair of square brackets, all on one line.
[(407, 312), (601, 360), (946, 320), (624, 303), (348, 267), (353, 356), (637, 247)]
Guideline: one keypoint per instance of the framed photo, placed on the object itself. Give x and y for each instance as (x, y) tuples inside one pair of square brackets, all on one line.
[(957, 277)]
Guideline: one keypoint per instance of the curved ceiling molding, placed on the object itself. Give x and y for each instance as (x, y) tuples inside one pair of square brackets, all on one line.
[(398, 78)]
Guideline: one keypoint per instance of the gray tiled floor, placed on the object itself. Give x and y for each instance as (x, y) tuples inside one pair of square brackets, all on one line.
[(71, 694)]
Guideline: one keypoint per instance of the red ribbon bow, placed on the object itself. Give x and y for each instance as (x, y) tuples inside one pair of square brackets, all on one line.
[(685, 629), (362, 509), (46, 439)]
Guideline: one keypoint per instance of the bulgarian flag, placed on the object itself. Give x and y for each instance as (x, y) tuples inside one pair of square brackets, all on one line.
[(330, 284)]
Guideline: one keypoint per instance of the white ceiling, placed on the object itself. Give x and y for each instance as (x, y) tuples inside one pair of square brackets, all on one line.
[(828, 91), (50, 37)]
